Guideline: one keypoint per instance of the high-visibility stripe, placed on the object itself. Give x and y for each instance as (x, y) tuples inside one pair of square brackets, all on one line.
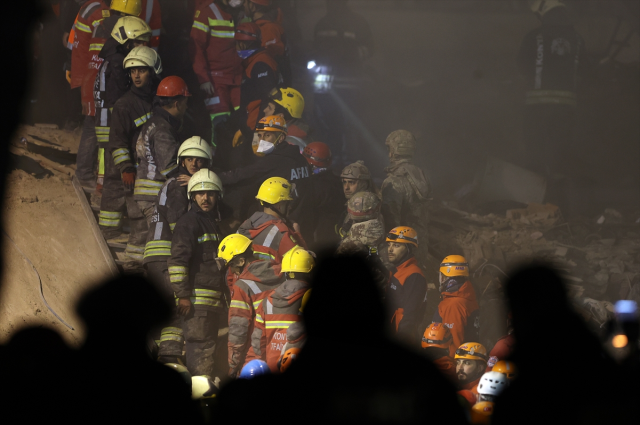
[(157, 248), (220, 23), (251, 284), (82, 27), (172, 330), (101, 161), (278, 324), (120, 155), (208, 237), (95, 23), (263, 256), (96, 47), (163, 195), (269, 239), (157, 252), (178, 269), (168, 170), (158, 232), (102, 134), (202, 292), (172, 226), (259, 319), (109, 218), (171, 337), (204, 301), (143, 119), (239, 304), (135, 249), (200, 26), (269, 307), (216, 11), (222, 34), (256, 304)]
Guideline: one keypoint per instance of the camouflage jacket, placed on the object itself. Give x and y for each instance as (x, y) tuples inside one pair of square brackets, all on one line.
[(405, 192), (370, 233)]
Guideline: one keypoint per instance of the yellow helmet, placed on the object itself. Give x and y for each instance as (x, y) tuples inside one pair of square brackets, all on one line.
[(274, 190), (297, 260), (305, 300), (143, 56), (506, 367), (454, 265), (472, 351), (481, 413), (204, 180), (290, 99), (197, 147), (130, 7), (232, 245), (131, 28)]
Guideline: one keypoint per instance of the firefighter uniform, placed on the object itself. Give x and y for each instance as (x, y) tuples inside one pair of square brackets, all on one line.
[(277, 312), (271, 237), (259, 77), (213, 53), (257, 280), (405, 294), (194, 273)]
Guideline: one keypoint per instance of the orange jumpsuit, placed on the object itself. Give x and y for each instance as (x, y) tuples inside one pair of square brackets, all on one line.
[(458, 310)]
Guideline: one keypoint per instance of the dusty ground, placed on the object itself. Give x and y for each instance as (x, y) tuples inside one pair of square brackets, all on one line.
[(44, 218)]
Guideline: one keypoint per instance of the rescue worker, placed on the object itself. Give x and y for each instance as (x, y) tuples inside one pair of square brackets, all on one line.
[(551, 58), (157, 145), (112, 80), (504, 347), (407, 289), (196, 279), (281, 308), (406, 190), (172, 203), (355, 178), (327, 197), (216, 63), (458, 308), (366, 227), (252, 281), (491, 385), (471, 360), (289, 104), (436, 343), (129, 114), (507, 368), (272, 234)]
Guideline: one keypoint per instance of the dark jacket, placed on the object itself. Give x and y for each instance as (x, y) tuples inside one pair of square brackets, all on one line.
[(171, 203), (157, 151), (328, 206), (193, 270), (406, 298)]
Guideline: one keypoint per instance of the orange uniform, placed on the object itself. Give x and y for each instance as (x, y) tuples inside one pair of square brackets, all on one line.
[(271, 238), (406, 295), (459, 311)]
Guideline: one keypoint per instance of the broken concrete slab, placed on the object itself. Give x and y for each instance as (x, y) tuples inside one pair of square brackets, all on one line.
[(505, 181)]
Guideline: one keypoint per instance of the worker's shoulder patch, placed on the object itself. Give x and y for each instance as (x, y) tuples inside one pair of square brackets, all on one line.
[(105, 13), (197, 14)]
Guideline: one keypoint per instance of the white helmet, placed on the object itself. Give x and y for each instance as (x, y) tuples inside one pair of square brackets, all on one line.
[(143, 56), (541, 7), (195, 146), (131, 28), (204, 180), (202, 387), (492, 383)]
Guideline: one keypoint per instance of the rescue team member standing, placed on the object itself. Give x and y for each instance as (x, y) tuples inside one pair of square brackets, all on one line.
[(130, 113), (436, 343), (157, 147), (196, 278), (253, 280), (216, 63), (406, 190), (407, 288), (172, 203), (271, 233), (282, 307), (458, 308)]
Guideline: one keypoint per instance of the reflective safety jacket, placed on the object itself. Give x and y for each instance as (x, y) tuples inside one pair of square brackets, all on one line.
[(193, 270), (89, 17), (459, 311), (270, 236), (212, 47), (276, 313), (260, 76), (171, 203), (258, 279), (129, 114), (157, 151), (406, 295)]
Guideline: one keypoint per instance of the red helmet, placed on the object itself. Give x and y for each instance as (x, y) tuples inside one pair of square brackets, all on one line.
[(318, 154), (172, 86), (248, 31)]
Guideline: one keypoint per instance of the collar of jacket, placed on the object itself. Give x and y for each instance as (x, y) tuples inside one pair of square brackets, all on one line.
[(407, 260), (146, 92), (110, 47), (460, 291), (397, 163), (255, 56), (174, 122), (210, 214)]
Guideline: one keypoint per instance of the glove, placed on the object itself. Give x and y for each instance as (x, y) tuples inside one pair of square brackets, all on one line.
[(129, 178), (207, 88)]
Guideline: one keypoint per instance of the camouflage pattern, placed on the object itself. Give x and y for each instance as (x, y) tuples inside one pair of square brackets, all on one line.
[(370, 233), (401, 143), (363, 206), (357, 171)]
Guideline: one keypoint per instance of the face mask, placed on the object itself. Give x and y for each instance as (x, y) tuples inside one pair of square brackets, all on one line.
[(246, 53), (265, 147), (235, 3)]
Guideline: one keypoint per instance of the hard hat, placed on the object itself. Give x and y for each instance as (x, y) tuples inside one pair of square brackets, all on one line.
[(288, 358), (143, 56), (472, 351), (272, 123), (172, 86), (481, 413), (363, 206), (454, 265), (130, 7), (507, 368), (403, 234), (318, 154), (401, 143), (541, 7), (197, 147), (182, 370), (254, 368), (247, 31), (290, 99), (202, 387), (357, 171), (131, 28), (232, 245), (274, 190), (305, 300), (437, 335), (204, 180), (492, 383), (297, 260)]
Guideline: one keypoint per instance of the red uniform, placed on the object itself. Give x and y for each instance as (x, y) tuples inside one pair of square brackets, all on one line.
[(89, 17), (458, 310), (260, 76), (271, 238), (272, 34), (213, 53), (501, 351)]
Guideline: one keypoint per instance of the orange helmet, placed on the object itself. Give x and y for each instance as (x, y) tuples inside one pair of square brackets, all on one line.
[(506, 367), (437, 335), (403, 234), (481, 412), (288, 357), (272, 123), (172, 86), (454, 265), (472, 351)]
